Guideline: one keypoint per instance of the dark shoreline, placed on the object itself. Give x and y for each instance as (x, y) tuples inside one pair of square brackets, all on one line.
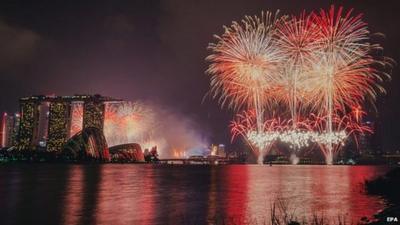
[(61, 162), (387, 186)]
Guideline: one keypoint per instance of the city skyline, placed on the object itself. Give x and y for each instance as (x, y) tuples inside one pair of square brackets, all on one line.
[(136, 55), (223, 112)]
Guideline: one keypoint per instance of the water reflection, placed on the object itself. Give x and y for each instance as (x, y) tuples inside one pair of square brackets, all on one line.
[(154, 194), (305, 191), (234, 182), (22, 195), (74, 196)]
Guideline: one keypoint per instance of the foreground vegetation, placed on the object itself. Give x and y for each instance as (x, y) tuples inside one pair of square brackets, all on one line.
[(279, 214)]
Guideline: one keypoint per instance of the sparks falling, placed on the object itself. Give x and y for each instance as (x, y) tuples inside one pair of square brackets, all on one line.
[(320, 64), (128, 122)]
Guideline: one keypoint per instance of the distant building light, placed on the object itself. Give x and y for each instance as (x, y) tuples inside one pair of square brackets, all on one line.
[(42, 143)]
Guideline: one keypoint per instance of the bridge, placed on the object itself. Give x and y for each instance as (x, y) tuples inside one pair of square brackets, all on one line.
[(197, 161)]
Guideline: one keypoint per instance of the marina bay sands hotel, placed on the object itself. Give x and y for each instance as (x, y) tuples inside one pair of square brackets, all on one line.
[(47, 122)]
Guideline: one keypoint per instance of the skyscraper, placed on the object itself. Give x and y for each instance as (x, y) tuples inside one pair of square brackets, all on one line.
[(8, 129), (47, 122), (58, 124), (29, 122)]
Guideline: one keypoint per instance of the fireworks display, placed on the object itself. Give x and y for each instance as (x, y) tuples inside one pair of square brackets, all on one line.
[(152, 126), (128, 122), (76, 118), (245, 62), (314, 68)]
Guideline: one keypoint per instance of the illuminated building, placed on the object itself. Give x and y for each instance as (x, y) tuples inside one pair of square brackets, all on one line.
[(58, 125), (47, 122), (9, 129), (10, 124), (218, 150), (29, 122), (17, 121), (43, 122), (127, 153), (214, 150), (3, 134), (93, 114)]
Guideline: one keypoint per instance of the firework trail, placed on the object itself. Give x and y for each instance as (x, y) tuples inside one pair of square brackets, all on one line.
[(297, 37), (128, 122), (244, 62), (343, 127), (272, 130), (344, 75), (309, 131), (76, 118), (319, 64)]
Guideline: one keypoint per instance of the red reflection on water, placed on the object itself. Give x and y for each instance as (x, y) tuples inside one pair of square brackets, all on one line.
[(227, 195), (331, 193), (74, 196), (358, 177), (146, 206), (126, 196), (339, 192), (147, 194), (305, 191), (212, 196), (317, 185), (236, 201)]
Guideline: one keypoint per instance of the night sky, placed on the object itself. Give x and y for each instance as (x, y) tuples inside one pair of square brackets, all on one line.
[(154, 51)]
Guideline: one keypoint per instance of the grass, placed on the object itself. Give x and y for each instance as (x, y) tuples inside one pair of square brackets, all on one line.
[(279, 214)]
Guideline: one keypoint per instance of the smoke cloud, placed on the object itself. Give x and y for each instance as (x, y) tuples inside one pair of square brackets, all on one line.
[(176, 134)]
